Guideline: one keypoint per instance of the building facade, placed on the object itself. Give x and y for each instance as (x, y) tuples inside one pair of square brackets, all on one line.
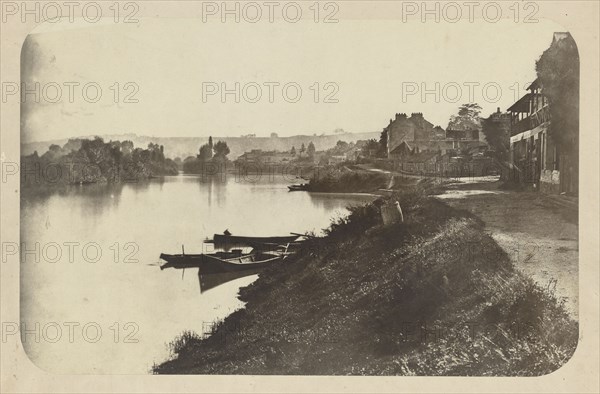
[(415, 130), (533, 153)]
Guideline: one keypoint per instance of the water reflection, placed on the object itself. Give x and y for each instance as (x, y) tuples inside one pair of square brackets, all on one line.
[(331, 201), (157, 216), (211, 281)]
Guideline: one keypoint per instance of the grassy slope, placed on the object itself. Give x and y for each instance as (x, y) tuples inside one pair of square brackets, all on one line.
[(435, 295)]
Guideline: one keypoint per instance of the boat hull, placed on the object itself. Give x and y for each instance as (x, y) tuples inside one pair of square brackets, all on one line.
[(298, 188), (232, 240), (210, 264)]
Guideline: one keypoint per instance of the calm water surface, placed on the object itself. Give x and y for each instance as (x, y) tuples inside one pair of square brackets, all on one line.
[(97, 302)]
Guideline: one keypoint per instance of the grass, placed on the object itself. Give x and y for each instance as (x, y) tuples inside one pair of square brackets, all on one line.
[(434, 295)]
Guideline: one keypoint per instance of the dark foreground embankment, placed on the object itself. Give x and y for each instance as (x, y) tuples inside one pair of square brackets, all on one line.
[(432, 296)]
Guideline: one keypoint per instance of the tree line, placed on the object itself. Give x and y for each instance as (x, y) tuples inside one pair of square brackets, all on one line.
[(84, 161), (208, 154)]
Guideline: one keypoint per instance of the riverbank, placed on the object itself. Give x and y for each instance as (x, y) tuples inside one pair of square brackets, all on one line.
[(539, 232), (435, 295), (354, 179)]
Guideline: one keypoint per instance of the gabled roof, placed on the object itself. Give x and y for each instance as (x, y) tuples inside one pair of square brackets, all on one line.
[(403, 146)]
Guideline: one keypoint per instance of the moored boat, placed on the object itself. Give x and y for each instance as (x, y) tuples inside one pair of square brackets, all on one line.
[(223, 239), (297, 188), (221, 262)]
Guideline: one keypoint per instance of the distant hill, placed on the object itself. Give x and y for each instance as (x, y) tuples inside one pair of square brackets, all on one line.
[(188, 146)]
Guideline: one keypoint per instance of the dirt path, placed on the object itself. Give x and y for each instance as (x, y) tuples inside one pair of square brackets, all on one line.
[(539, 233)]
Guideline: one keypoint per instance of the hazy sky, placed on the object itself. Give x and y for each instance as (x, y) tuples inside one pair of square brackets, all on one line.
[(370, 62)]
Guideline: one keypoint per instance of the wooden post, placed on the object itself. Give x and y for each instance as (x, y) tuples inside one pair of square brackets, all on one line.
[(392, 213)]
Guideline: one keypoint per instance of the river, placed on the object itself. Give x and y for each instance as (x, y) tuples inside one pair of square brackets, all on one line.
[(93, 299)]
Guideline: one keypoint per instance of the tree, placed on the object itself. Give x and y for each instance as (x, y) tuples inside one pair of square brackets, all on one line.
[(205, 153), (302, 148), (72, 145), (293, 151), (497, 134), (467, 118), (54, 152), (341, 147), (311, 149), (210, 143), (383, 139), (221, 149), (96, 151), (558, 74), (127, 147)]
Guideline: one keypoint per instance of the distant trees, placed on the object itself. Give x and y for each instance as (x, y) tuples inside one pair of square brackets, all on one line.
[(302, 149), (383, 140), (293, 151), (221, 150), (96, 161), (178, 162), (75, 144), (341, 146), (210, 151), (310, 151), (126, 147), (207, 153)]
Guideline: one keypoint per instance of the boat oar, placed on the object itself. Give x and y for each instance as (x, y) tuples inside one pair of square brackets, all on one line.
[(183, 254)]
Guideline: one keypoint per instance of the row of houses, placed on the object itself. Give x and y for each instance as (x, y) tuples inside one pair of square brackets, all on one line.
[(349, 153), (417, 132), (535, 157), (428, 162)]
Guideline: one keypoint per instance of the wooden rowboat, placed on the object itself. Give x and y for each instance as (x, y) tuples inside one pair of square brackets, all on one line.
[(296, 188), (222, 239), (221, 262)]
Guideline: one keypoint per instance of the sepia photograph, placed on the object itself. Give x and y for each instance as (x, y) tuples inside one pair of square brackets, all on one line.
[(358, 189)]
